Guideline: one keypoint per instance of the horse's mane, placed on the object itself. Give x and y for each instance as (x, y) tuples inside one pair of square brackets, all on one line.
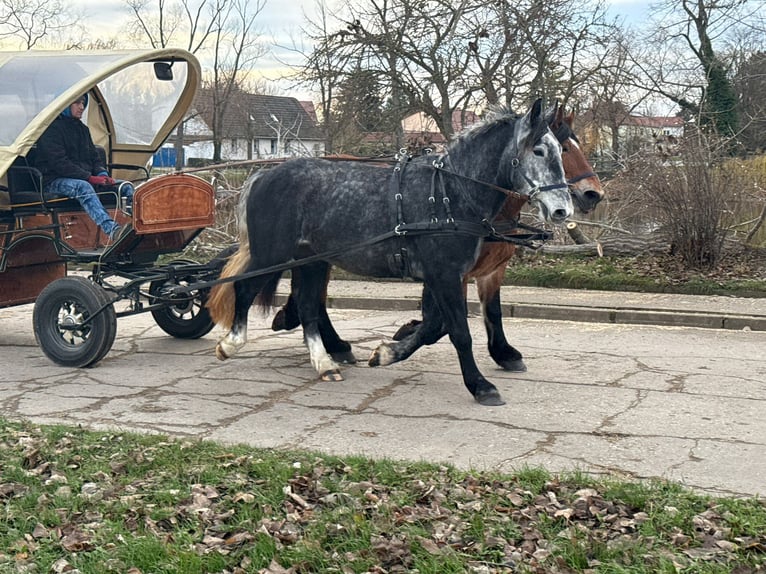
[(495, 115)]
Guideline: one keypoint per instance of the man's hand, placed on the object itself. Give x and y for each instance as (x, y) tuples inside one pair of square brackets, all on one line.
[(100, 180)]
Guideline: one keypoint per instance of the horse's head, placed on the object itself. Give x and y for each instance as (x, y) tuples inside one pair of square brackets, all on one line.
[(534, 167), (584, 184)]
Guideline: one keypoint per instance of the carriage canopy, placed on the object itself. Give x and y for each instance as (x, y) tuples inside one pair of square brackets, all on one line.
[(136, 98)]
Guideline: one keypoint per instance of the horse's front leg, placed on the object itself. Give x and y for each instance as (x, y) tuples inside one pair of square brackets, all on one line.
[(410, 326), (425, 332), (444, 308), (505, 355), (449, 298)]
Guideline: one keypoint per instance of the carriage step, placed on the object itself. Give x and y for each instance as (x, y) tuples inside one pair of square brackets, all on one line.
[(91, 253)]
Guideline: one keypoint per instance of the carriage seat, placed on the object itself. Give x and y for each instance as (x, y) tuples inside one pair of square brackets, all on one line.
[(25, 190)]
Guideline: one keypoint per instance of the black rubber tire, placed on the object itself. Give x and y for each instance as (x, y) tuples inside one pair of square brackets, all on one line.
[(189, 318), (60, 308)]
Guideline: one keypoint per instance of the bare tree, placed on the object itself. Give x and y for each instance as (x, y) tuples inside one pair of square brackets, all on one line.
[(441, 56), (421, 56), (688, 61), (224, 30), (31, 21)]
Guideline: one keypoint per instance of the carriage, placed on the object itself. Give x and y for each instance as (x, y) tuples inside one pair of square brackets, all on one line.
[(137, 98)]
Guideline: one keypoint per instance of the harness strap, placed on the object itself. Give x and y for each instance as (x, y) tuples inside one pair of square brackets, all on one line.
[(432, 198), (402, 158)]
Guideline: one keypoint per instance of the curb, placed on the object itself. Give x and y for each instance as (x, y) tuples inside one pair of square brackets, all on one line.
[(587, 314)]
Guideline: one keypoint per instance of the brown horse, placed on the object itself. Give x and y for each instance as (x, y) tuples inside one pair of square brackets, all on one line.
[(489, 269)]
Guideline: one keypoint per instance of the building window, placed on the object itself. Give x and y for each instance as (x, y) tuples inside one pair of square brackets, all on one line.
[(273, 147)]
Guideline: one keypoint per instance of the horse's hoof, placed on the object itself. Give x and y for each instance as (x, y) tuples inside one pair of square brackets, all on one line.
[(406, 330), (344, 357), (332, 375), (381, 356), (220, 354), (513, 366), (490, 398)]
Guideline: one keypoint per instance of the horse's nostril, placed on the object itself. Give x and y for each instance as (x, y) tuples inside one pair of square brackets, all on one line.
[(593, 196), (560, 215)]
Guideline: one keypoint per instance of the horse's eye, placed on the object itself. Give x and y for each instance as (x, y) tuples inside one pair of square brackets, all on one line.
[(564, 148), (539, 152)]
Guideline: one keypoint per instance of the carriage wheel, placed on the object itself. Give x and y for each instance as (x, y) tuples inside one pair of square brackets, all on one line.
[(59, 320), (184, 316)]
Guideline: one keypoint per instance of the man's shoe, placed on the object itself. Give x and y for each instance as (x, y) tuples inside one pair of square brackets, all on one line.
[(118, 232)]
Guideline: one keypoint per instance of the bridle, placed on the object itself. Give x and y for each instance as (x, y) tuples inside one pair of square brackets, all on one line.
[(438, 165)]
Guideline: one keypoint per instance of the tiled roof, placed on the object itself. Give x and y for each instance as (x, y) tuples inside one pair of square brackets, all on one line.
[(654, 121), (258, 116)]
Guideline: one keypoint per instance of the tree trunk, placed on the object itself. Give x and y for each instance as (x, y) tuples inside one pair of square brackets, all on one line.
[(178, 145)]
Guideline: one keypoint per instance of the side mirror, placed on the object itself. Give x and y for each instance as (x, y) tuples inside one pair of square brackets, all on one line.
[(163, 71)]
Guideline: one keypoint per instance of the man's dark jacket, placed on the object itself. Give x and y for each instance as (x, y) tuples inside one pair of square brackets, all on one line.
[(66, 150)]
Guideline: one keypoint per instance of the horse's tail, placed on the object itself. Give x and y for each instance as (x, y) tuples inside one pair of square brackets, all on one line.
[(222, 297)]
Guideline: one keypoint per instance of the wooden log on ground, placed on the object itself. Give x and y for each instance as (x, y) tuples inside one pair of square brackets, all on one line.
[(629, 245)]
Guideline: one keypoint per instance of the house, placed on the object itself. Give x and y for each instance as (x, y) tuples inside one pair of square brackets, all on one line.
[(254, 126), (660, 133), (420, 130), (634, 134)]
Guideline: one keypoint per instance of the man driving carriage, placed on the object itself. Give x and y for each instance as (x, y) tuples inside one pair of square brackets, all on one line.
[(71, 166)]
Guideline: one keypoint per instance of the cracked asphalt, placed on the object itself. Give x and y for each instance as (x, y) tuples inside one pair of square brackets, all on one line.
[(628, 400)]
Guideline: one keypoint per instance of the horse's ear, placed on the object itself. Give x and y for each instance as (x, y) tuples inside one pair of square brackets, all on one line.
[(570, 119), (535, 113), (553, 112)]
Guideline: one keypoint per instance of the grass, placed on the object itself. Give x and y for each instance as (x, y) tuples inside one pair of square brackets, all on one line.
[(99, 502), (743, 276)]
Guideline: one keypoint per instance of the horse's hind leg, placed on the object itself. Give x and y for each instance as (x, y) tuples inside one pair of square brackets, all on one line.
[(339, 349), (500, 350), (311, 310), (288, 318), (245, 292)]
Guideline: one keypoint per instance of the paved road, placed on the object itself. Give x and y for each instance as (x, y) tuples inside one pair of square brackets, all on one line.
[(682, 403)]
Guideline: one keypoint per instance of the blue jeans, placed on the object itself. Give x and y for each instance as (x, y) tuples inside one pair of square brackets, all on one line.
[(83, 192)]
